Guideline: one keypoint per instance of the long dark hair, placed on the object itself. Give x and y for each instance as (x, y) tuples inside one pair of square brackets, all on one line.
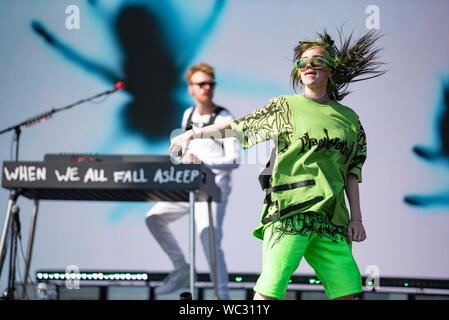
[(350, 62)]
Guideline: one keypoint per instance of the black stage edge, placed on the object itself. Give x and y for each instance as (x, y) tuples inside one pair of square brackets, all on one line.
[(221, 309)]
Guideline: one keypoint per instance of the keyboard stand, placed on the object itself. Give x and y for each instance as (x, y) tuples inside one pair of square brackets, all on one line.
[(213, 260)]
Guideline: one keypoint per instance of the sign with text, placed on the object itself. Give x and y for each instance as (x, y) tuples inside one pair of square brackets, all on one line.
[(43, 176)]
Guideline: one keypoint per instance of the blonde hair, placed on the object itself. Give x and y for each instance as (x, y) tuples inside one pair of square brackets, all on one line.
[(203, 67)]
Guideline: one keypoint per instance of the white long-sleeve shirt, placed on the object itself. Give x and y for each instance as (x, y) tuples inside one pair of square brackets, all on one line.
[(220, 155)]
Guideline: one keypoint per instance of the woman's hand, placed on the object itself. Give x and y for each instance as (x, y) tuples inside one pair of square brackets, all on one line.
[(220, 130), (183, 141), (356, 231)]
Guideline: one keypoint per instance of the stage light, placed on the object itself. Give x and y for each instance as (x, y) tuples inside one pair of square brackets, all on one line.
[(314, 281), (97, 276)]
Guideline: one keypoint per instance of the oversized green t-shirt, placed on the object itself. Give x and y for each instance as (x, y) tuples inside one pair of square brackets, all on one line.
[(317, 146)]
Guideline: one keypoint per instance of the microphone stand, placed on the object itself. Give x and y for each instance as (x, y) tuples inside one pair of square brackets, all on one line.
[(44, 116), (12, 221)]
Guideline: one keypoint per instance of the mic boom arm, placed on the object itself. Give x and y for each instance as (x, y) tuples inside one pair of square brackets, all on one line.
[(46, 115)]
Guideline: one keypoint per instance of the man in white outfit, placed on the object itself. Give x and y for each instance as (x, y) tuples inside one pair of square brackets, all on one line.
[(221, 156)]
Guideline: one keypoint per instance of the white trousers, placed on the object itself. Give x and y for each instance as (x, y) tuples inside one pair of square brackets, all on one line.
[(162, 213)]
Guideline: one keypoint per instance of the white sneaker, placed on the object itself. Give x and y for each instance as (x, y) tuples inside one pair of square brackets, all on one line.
[(177, 279)]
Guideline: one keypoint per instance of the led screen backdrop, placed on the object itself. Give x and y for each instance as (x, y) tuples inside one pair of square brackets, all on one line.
[(55, 53)]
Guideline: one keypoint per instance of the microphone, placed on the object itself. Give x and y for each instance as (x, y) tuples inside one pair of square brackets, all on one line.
[(176, 154), (177, 151), (119, 86)]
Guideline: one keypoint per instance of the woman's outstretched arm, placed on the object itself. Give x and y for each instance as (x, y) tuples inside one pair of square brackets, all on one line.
[(217, 130)]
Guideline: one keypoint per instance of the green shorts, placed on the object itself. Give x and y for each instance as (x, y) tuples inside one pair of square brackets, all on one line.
[(331, 260)]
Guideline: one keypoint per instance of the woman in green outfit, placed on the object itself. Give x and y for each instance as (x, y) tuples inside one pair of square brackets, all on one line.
[(320, 150)]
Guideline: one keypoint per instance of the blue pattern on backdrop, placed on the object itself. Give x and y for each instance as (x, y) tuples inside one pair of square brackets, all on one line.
[(156, 50), (157, 43), (436, 156)]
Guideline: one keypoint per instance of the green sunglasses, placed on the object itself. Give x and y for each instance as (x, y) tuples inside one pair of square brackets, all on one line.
[(314, 62)]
